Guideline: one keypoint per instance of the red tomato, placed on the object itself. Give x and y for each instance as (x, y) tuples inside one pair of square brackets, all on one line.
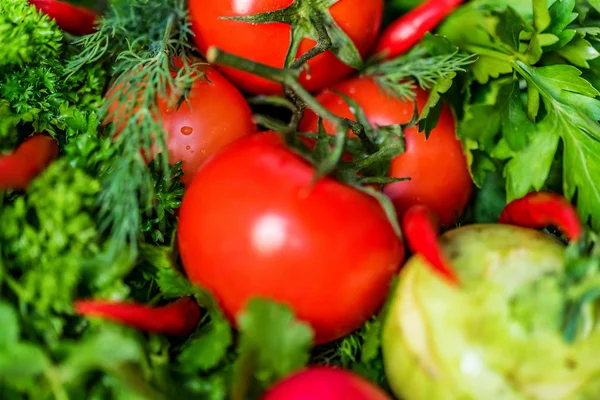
[(324, 383), (215, 115), (269, 43), (437, 166), (251, 225)]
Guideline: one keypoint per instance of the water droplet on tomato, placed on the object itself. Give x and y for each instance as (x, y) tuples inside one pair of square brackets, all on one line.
[(168, 111), (187, 147), (187, 130)]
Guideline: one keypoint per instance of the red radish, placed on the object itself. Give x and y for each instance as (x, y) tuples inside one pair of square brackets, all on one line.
[(325, 383)]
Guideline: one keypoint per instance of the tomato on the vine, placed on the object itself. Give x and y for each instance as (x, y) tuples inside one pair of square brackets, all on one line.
[(252, 224), (268, 43), (437, 166), (214, 114)]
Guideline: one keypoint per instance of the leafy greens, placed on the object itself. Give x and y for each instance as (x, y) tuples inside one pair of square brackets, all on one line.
[(529, 101)]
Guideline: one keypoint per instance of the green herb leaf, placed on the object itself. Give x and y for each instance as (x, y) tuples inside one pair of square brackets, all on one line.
[(509, 28), (433, 64), (517, 129), (541, 15), (272, 344), (207, 347), (578, 52)]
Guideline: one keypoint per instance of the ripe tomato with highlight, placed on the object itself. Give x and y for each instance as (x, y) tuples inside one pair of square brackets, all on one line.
[(252, 224)]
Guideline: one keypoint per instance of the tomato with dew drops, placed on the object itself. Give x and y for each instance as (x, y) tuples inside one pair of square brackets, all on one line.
[(214, 114)]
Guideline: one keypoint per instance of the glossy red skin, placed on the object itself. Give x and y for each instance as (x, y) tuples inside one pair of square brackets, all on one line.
[(410, 28), (325, 383), (74, 19), (251, 226), (420, 229), (539, 210), (216, 112), (178, 318), (437, 166), (268, 43), (29, 160)]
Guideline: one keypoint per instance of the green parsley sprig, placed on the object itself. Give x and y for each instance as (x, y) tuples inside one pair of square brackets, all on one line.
[(532, 97)]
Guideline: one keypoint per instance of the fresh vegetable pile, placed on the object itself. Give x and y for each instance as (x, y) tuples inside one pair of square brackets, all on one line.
[(299, 199)]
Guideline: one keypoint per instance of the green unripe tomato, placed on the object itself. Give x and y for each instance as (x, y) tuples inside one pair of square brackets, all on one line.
[(498, 335)]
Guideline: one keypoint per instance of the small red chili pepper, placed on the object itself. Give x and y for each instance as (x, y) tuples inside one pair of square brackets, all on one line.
[(27, 162), (421, 230), (176, 319), (541, 209), (410, 28), (74, 19)]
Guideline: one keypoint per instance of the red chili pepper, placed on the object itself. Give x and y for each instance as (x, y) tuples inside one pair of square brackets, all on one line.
[(540, 209), (410, 28), (27, 162), (74, 19), (421, 230), (176, 319)]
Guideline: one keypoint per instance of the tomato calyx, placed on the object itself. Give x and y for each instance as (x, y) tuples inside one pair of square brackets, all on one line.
[(326, 159), (368, 157), (388, 138), (309, 19)]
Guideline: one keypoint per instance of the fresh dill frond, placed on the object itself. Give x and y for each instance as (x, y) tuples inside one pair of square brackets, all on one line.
[(143, 39), (137, 26), (424, 66), (159, 219)]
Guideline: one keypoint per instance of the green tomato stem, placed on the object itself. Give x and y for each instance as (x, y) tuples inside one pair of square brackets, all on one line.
[(289, 78)]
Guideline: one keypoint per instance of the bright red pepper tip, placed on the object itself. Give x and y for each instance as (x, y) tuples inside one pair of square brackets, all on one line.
[(540, 209), (29, 160), (421, 232), (74, 19), (179, 318), (411, 28)]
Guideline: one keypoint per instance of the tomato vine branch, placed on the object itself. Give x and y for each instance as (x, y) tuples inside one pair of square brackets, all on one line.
[(324, 43), (288, 77)]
